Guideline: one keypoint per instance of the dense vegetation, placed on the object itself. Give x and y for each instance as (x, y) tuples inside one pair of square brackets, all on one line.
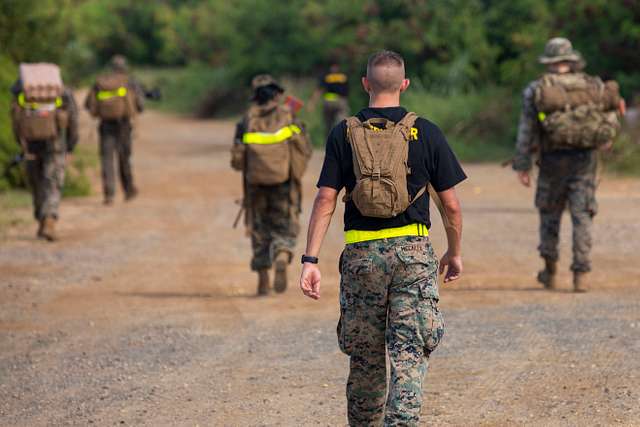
[(468, 59)]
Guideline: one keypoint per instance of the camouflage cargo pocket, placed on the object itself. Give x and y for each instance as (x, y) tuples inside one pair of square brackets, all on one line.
[(430, 324), (420, 267)]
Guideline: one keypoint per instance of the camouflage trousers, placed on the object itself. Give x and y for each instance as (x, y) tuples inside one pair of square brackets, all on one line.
[(334, 111), (115, 142), (274, 223), (567, 178), (388, 303), (45, 173)]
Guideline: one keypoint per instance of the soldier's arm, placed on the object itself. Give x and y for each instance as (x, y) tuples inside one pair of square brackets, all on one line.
[(69, 104), (452, 259), (139, 93), (528, 132), (323, 208)]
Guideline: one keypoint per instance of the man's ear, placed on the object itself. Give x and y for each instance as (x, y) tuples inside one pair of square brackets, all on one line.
[(405, 85), (366, 85)]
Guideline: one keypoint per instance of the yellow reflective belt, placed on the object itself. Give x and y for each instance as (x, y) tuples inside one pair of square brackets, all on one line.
[(356, 236), (34, 105), (542, 116), (277, 137), (103, 95), (330, 96)]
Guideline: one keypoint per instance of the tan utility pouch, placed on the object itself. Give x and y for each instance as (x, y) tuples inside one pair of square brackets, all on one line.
[(238, 153), (380, 162), (301, 151), (268, 164), (37, 125)]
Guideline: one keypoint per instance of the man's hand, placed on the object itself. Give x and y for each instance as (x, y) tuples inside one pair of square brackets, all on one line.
[(310, 280), (454, 264), (525, 178)]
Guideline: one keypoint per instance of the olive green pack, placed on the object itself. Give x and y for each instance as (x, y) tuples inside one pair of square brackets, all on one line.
[(576, 110), (380, 162)]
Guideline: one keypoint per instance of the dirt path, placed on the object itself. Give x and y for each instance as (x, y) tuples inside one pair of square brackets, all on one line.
[(143, 314)]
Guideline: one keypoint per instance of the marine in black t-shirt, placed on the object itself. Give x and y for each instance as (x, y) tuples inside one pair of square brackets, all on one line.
[(335, 83), (431, 161)]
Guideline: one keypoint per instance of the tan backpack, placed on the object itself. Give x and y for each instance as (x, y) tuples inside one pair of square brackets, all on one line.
[(114, 99), (577, 110), (276, 148), (380, 162), (37, 110)]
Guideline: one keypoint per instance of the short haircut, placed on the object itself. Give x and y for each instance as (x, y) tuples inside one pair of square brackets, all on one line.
[(385, 71)]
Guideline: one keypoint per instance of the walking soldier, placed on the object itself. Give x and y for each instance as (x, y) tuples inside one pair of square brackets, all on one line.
[(386, 157)]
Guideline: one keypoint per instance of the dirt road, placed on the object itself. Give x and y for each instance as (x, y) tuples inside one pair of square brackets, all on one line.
[(143, 314)]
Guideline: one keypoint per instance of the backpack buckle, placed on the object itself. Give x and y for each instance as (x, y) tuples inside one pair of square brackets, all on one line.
[(375, 176)]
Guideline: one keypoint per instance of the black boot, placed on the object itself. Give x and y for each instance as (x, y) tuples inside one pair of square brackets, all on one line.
[(548, 276), (263, 282)]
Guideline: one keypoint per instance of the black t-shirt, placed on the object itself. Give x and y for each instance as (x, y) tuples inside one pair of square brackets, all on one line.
[(337, 83), (430, 158)]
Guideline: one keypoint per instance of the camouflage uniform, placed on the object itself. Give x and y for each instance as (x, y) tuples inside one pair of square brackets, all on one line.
[(388, 286), (274, 223), (567, 177), (116, 141), (45, 162)]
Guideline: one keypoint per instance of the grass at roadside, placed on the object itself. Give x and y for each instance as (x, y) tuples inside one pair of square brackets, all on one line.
[(14, 205)]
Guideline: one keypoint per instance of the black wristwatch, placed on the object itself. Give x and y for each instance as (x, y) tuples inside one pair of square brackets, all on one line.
[(309, 259)]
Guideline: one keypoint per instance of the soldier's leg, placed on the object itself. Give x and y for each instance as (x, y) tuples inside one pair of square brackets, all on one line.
[(124, 160), (583, 207), (282, 220), (34, 176), (108, 142), (551, 198), (53, 181), (328, 113), (361, 329), (550, 233), (260, 236), (415, 328)]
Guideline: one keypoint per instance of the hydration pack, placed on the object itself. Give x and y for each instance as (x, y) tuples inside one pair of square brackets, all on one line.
[(380, 161)]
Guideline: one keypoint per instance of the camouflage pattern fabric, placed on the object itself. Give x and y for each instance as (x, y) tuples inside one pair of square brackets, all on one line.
[(115, 141), (274, 222), (388, 300), (46, 177), (567, 178), (529, 133), (334, 111)]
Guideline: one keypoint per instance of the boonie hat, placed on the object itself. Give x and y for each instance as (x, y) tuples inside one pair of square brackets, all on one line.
[(559, 49)]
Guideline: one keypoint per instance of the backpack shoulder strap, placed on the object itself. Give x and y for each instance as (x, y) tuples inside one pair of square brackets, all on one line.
[(404, 126)]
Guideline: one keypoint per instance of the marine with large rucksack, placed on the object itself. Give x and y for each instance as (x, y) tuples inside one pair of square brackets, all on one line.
[(272, 150), (567, 117), (45, 124), (115, 99)]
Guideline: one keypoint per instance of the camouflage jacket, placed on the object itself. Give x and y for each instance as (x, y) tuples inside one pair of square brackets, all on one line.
[(529, 132)]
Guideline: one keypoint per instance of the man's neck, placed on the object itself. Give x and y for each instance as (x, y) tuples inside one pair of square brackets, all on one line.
[(384, 100)]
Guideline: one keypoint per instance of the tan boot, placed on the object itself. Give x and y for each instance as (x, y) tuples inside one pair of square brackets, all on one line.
[(580, 282), (263, 282), (280, 280), (49, 229), (547, 276)]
